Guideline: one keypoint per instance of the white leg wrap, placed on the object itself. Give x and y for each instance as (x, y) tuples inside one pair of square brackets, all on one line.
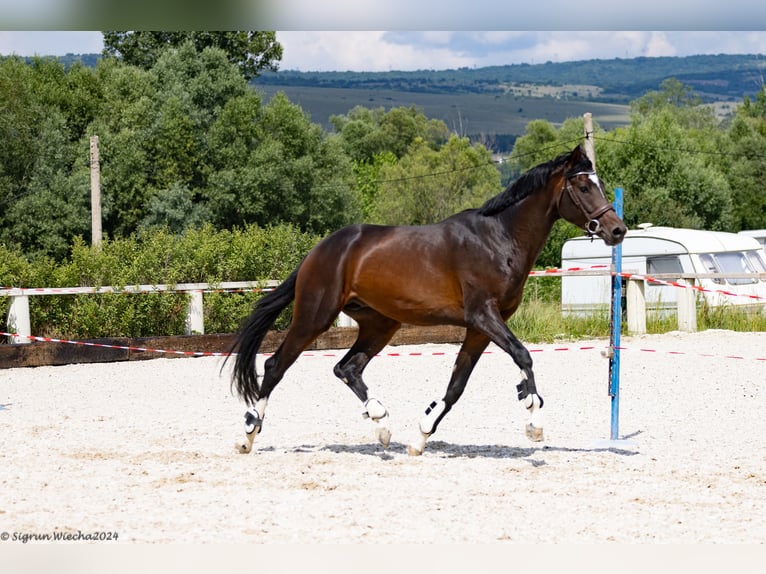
[(253, 422), (258, 411), (418, 445), (375, 409), (532, 404), (535, 426), (378, 413), (427, 423), (433, 412)]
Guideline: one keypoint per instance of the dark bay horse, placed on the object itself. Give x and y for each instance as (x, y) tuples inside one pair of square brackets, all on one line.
[(467, 270)]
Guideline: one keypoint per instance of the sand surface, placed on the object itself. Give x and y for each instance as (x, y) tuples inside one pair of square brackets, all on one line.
[(146, 450)]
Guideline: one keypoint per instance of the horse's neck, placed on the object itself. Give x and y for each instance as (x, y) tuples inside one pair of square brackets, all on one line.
[(530, 223)]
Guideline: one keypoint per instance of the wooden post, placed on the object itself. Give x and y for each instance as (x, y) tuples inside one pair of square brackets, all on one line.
[(18, 319), (590, 151), (195, 315), (687, 308), (345, 321), (635, 301), (95, 193)]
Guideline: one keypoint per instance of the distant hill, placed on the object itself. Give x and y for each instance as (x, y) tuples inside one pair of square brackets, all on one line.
[(494, 104), (715, 78), (493, 119)]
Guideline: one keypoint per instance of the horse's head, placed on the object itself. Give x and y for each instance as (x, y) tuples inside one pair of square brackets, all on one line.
[(582, 200)]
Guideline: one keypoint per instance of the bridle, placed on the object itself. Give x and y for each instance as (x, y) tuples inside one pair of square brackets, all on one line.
[(593, 226)]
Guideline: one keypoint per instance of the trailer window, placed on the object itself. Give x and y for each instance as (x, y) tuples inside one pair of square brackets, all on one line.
[(711, 267), (736, 262), (663, 265), (757, 261)]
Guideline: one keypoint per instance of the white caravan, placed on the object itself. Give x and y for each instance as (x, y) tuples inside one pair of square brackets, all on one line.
[(651, 251), (759, 234)]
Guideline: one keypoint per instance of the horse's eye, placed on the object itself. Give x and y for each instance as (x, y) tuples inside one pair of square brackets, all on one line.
[(584, 189)]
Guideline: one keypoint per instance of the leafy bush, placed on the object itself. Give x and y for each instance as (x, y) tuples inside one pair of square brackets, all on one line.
[(152, 258)]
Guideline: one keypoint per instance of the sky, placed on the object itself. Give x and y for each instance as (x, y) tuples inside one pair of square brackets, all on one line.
[(375, 51)]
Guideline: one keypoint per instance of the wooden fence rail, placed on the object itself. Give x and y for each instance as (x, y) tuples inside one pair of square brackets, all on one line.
[(18, 321), (19, 317)]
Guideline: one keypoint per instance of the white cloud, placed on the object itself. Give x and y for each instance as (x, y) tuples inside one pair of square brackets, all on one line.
[(362, 51), (437, 50), (659, 45), (378, 51)]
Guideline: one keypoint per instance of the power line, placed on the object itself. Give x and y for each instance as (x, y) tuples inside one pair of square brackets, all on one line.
[(690, 151)]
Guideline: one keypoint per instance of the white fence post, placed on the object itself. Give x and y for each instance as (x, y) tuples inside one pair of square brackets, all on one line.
[(345, 321), (687, 307), (195, 317), (635, 301), (18, 319)]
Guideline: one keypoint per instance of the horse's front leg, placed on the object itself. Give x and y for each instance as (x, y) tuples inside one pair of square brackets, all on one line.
[(489, 321), (527, 390), (469, 354), (533, 402)]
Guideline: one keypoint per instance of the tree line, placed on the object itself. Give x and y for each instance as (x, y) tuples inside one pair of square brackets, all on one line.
[(715, 77), (188, 143)]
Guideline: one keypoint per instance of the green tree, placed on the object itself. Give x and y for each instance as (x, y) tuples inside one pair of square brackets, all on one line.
[(55, 205), (367, 132), (252, 52), (538, 144), (745, 164), (20, 116), (671, 93), (428, 185), (43, 172), (124, 127), (669, 170), (368, 177), (174, 208), (277, 166), (155, 130)]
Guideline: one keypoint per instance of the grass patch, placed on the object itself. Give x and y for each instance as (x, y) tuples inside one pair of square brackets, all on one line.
[(539, 320)]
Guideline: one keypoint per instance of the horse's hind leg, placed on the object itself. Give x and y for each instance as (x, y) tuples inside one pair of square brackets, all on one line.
[(375, 331), (469, 354), (295, 342)]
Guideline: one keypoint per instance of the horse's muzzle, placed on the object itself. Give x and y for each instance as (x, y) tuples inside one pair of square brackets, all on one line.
[(608, 227)]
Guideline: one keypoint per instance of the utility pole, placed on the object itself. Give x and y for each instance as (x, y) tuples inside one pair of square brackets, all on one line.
[(590, 151), (95, 193)]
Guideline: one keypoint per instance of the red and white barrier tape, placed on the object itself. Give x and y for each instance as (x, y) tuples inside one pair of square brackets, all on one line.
[(650, 280), (333, 354), (685, 286), (118, 347), (14, 291), (554, 270)]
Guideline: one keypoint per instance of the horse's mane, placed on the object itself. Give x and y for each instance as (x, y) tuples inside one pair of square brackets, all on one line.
[(527, 183)]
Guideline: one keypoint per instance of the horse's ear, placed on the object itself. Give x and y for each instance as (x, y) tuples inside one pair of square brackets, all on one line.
[(578, 157)]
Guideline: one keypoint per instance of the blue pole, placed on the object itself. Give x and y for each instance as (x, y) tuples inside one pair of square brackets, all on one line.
[(615, 325)]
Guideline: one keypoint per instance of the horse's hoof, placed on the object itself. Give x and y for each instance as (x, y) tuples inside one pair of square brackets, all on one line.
[(412, 451), (534, 433), (244, 448), (384, 436)]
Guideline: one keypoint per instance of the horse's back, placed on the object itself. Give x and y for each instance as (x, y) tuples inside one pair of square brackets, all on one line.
[(404, 272)]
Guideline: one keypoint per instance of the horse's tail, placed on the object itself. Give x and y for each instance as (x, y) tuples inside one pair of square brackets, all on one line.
[(251, 333)]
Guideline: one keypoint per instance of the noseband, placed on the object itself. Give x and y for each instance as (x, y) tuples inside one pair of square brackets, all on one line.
[(593, 226)]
